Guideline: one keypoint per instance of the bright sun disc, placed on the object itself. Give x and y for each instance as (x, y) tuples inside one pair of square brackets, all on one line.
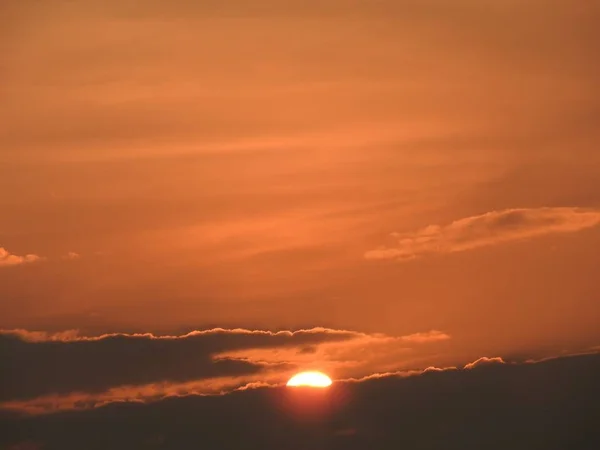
[(310, 379)]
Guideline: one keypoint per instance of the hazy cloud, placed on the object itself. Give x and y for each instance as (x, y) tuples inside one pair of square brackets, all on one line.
[(8, 259), (430, 336), (487, 229)]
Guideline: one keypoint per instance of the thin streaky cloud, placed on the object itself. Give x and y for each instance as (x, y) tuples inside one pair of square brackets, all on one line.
[(492, 228), (430, 336), (73, 335)]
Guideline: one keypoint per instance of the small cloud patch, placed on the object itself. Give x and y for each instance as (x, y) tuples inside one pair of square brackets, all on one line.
[(8, 259)]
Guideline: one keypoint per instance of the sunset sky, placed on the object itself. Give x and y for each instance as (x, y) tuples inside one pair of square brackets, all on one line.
[(195, 196)]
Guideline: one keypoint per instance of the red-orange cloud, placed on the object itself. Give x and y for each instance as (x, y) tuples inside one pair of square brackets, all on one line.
[(8, 259), (430, 336), (483, 361), (488, 229)]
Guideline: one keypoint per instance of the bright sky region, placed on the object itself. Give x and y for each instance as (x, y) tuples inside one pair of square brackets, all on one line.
[(245, 190)]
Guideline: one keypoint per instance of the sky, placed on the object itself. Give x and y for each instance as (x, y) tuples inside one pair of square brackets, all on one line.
[(201, 196)]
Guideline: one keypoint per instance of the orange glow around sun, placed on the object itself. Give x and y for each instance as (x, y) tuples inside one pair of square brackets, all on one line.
[(310, 379)]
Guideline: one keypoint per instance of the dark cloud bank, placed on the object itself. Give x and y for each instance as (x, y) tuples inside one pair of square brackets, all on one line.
[(554, 404), (36, 364)]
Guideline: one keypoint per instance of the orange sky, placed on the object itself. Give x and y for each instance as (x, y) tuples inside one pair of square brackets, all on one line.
[(390, 167)]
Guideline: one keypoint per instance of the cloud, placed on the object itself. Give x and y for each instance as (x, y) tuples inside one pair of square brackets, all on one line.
[(398, 373), (488, 229), (430, 336), (520, 405), (484, 361), (358, 357), (67, 370), (36, 363), (8, 259)]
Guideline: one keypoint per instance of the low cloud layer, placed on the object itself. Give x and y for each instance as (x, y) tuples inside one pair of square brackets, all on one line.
[(517, 406), (488, 229), (8, 259), (36, 364), (48, 371)]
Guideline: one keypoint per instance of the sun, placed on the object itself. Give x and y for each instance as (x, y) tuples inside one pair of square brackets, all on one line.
[(310, 379)]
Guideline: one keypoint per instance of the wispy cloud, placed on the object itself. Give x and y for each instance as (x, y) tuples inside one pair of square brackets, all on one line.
[(430, 336), (488, 229), (8, 259)]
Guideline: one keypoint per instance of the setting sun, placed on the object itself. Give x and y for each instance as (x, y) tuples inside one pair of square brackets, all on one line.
[(310, 379)]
